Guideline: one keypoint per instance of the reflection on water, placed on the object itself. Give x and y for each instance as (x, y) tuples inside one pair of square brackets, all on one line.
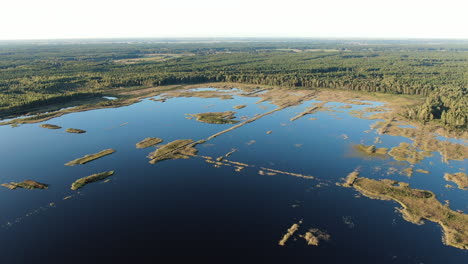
[(191, 208)]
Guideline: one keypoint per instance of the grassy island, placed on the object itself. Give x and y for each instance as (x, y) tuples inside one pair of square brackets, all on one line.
[(50, 126), (27, 184), (416, 206), (75, 130), (216, 117), (288, 234), (91, 157), (80, 183), (460, 178), (371, 150), (177, 149), (239, 106), (314, 235), (406, 152), (148, 142)]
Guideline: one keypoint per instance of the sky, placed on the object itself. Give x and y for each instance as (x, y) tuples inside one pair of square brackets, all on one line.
[(60, 19)]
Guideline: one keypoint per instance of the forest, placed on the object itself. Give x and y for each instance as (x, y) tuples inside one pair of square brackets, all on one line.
[(34, 74)]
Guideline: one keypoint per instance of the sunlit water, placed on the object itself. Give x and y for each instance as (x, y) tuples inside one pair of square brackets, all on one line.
[(188, 209)]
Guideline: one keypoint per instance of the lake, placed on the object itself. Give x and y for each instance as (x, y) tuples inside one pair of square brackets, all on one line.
[(190, 209)]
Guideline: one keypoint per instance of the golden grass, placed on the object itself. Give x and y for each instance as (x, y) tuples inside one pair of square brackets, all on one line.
[(177, 149), (216, 117), (422, 171), (90, 157), (148, 142), (50, 126), (75, 130), (408, 172), (239, 106), (288, 234), (350, 179), (80, 183), (418, 205), (309, 111), (460, 178), (314, 236), (406, 152), (370, 150), (27, 184)]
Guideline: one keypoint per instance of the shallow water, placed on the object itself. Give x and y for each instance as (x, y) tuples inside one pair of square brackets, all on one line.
[(188, 209)]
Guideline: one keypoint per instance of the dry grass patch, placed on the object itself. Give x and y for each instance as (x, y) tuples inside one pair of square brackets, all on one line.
[(460, 178), (314, 236), (50, 126), (370, 150), (148, 142), (406, 152), (177, 149), (216, 117), (239, 106), (91, 157), (27, 184), (75, 130), (80, 183), (288, 234)]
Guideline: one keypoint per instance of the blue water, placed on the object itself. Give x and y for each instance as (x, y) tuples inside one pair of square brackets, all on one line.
[(189, 210)]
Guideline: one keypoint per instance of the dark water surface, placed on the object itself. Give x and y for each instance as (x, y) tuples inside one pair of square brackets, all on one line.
[(189, 210)]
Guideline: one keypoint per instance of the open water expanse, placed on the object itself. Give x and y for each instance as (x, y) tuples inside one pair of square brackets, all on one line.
[(189, 209)]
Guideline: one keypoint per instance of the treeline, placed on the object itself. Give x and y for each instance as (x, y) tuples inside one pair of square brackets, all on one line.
[(448, 105), (35, 75)]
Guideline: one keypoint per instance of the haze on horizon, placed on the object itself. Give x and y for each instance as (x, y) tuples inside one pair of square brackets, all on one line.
[(58, 19)]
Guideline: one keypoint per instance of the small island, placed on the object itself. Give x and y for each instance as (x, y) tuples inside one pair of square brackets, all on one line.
[(27, 184), (148, 142), (239, 106), (177, 149), (91, 157), (371, 150), (216, 117), (80, 183), (75, 130), (50, 126)]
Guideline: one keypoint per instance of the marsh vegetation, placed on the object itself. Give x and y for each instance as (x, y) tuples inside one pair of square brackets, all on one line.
[(27, 184), (50, 126), (90, 157), (148, 142), (80, 183), (460, 178), (418, 205), (216, 117), (75, 130), (177, 149)]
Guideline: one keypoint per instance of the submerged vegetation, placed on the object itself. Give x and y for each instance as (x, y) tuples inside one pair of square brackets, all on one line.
[(216, 117), (418, 205), (460, 178), (177, 149), (80, 183), (91, 157), (27, 184), (148, 142)]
